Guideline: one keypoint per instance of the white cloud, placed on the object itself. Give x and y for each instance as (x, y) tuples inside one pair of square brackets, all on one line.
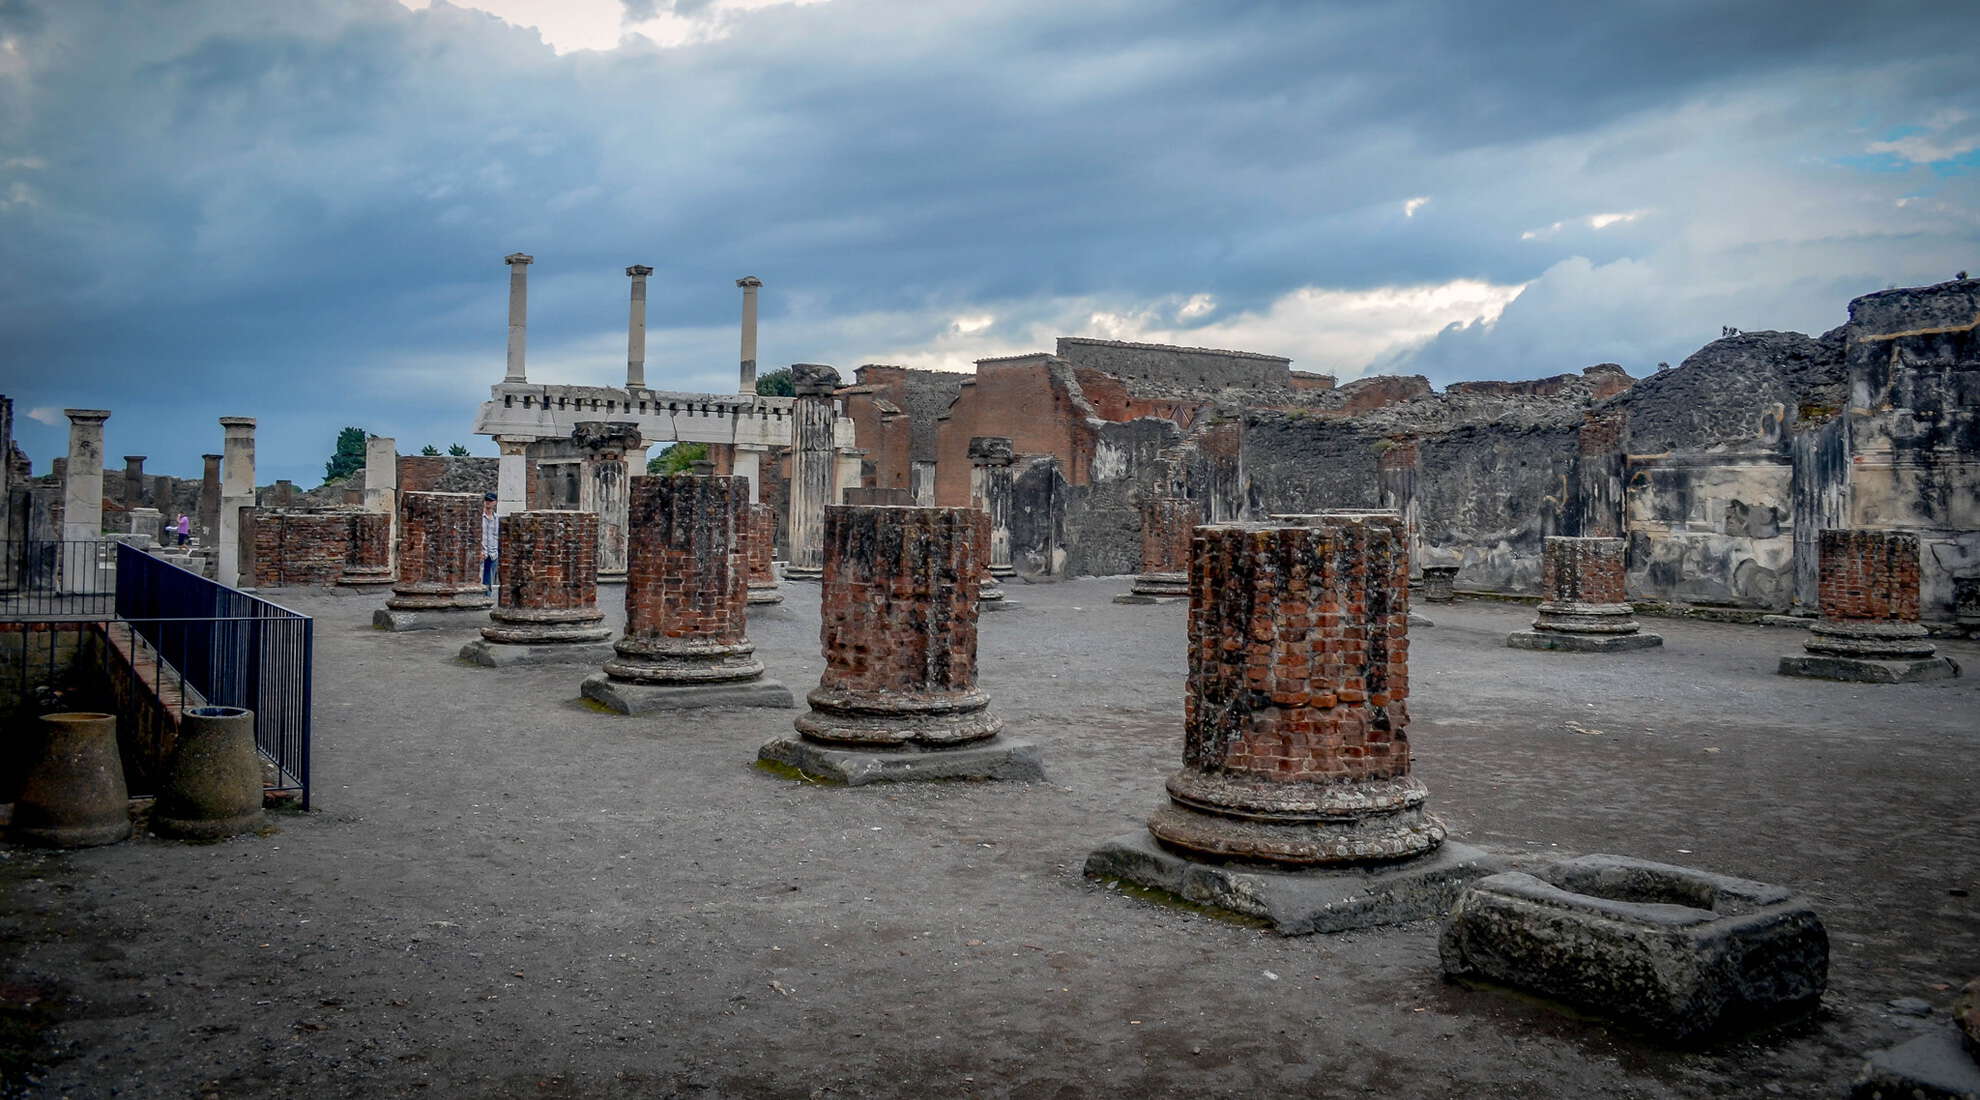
[(1592, 221), (567, 26), (974, 323), (1411, 206), (45, 414), (1198, 305)]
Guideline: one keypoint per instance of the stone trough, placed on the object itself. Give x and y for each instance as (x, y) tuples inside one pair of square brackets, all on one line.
[(1678, 953)]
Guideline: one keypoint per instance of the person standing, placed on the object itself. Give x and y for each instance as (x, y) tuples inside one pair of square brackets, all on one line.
[(491, 537), (183, 528)]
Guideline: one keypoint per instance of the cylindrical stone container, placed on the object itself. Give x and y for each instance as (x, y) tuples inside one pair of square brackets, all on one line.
[(212, 786), (1166, 524), (74, 794), (1295, 722), (686, 583), (762, 554), (899, 629), (439, 554), (546, 590)]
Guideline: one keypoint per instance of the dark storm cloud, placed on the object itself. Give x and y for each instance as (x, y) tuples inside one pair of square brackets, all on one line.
[(274, 207)]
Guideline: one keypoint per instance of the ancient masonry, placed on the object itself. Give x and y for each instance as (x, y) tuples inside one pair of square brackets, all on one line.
[(546, 594), (1585, 609), (813, 466), (1166, 526), (368, 556), (686, 642), (990, 483), (898, 698), (1295, 748), (439, 564), (1869, 630), (763, 587)]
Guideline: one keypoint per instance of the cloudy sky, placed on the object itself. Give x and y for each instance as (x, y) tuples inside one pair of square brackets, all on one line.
[(297, 210)]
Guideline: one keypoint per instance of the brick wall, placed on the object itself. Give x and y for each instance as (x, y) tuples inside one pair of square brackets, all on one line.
[(1869, 575), (899, 598), (1576, 570), (300, 548)]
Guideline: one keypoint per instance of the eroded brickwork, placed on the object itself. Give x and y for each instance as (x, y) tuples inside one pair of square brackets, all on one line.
[(292, 548), (368, 557), (686, 582), (1869, 576), (546, 588), (899, 627), (439, 553), (760, 551), (1296, 716), (1574, 570), (1166, 527)]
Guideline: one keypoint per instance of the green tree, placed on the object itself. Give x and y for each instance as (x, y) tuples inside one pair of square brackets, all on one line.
[(457, 450), (429, 449), (675, 459), (776, 384), (349, 457)]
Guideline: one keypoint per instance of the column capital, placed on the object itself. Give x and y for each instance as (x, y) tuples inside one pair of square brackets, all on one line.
[(515, 258), (212, 458), (135, 458), (749, 282), (991, 450), (237, 421), (639, 271), (87, 416)]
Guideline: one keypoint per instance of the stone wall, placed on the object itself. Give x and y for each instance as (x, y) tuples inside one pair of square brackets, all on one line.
[(300, 548), (1163, 367)]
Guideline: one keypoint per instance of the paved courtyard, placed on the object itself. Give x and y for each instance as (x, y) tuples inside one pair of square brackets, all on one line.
[(506, 892)]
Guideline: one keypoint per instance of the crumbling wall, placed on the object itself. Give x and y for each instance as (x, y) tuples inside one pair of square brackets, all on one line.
[(1164, 367)]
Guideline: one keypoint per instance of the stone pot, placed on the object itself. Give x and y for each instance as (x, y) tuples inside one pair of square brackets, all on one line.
[(211, 788), (74, 794)]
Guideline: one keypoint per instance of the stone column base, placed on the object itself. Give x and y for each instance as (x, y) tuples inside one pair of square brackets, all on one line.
[(1299, 903), (1165, 585), (930, 722), (767, 593), (1866, 670), (804, 572), (997, 758), (634, 698), (378, 577), (493, 654), (1563, 642), (433, 619), (464, 599), (1226, 816)]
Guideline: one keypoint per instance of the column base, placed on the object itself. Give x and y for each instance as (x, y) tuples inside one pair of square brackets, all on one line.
[(1137, 598), (631, 698), (1865, 670), (355, 578), (491, 654), (804, 573), (998, 758), (765, 595), (1170, 585), (1298, 903), (1562, 642), (433, 619), (466, 599), (929, 722)]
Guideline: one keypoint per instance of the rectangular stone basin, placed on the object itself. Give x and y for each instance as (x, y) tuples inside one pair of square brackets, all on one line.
[(1671, 951)]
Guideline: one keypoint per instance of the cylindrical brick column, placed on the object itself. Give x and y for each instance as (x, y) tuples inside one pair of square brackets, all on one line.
[(1440, 583), (546, 590), (1869, 596), (1596, 501), (1166, 524), (368, 558), (686, 584), (762, 554), (1581, 582), (1295, 725), (814, 458), (439, 554), (899, 629)]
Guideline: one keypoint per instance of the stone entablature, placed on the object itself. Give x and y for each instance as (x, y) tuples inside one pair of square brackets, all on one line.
[(552, 412)]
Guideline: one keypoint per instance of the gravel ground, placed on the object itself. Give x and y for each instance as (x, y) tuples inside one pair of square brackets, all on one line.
[(505, 892)]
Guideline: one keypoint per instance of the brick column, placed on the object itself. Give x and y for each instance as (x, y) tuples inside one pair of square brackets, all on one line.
[(898, 630), (686, 597), (602, 486), (368, 558), (439, 562), (209, 503), (1596, 499), (814, 475), (990, 487), (1869, 630), (546, 594), (762, 555), (1295, 748), (1166, 525), (1583, 606)]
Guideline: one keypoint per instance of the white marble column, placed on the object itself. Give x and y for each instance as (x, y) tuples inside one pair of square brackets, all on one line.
[(749, 464), (604, 489), (236, 493), (814, 474), (991, 482), (518, 314), (749, 284), (636, 328), (82, 480)]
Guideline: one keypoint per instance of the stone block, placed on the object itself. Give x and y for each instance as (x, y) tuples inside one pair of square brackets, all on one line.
[(1938, 1065), (1582, 643), (1676, 952), (489, 654), (998, 758), (636, 698), (397, 621), (1297, 903), (1864, 670)]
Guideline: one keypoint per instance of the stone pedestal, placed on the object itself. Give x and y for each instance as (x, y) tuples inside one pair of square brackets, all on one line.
[(1439, 583), (762, 554), (73, 795), (546, 594), (211, 788), (814, 459), (439, 581), (686, 642), (1296, 760), (1869, 630), (82, 476), (898, 696), (368, 555), (1585, 609), (1166, 523), (990, 488), (147, 521), (602, 486)]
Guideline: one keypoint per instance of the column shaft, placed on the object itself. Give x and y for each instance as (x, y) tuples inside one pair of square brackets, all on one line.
[(814, 421), (518, 316), (236, 493), (82, 482)]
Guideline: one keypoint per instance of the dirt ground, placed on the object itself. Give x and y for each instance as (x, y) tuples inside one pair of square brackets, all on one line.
[(503, 892)]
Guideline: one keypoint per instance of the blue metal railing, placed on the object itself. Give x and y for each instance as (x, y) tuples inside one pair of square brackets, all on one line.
[(231, 648)]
